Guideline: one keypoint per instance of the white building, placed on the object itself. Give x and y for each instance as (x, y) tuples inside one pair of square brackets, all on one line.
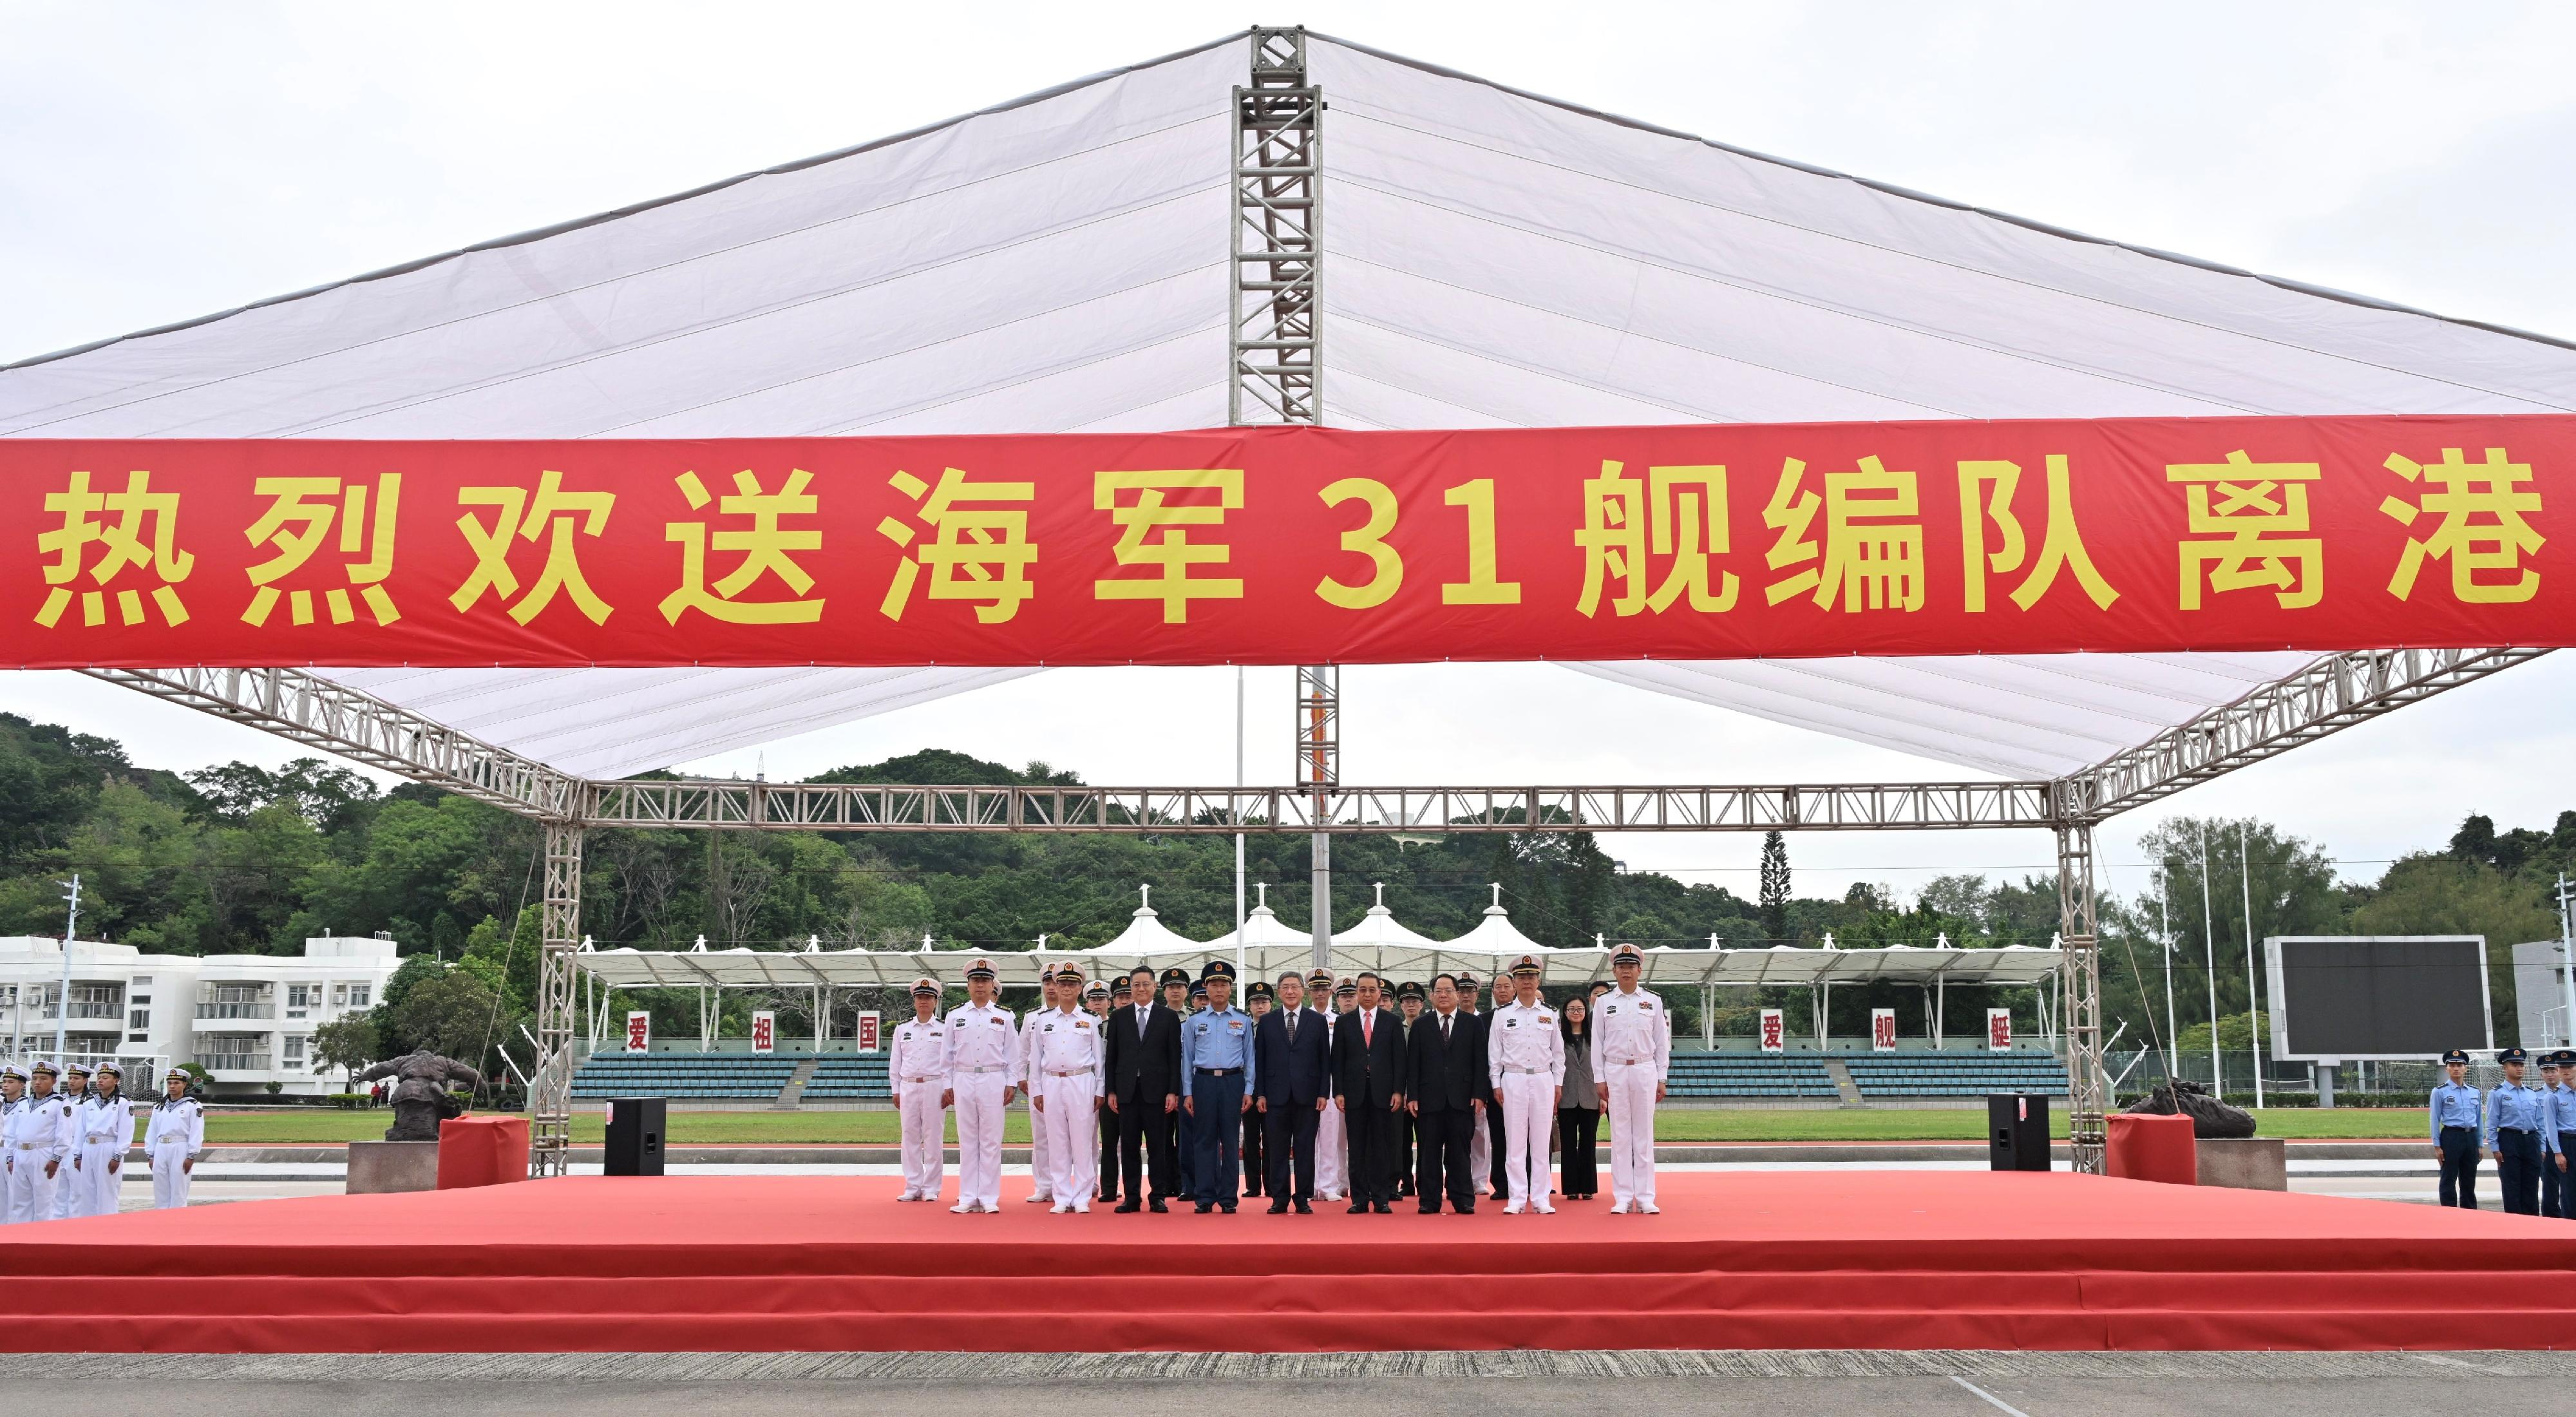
[(247, 1019)]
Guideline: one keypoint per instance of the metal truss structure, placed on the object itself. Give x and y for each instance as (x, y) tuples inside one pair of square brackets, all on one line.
[(1277, 370)]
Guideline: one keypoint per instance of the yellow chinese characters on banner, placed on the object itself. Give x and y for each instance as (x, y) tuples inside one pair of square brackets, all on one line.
[(1674, 520), (1872, 552), (299, 516), (1986, 491), (553, 516), (766, 548), (142, 539), (2254, 511), (2482, 532), (979, 549), (1154, 535)]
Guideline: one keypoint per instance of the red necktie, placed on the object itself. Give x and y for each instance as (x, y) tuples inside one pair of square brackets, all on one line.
[(1366, 1032)]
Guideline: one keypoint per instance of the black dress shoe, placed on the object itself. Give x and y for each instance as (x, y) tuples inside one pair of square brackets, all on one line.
[(1428, 1209), (1204, 1207), (1468, 1209), (1130, 1207), (1358, 1208), (1157, 1206), (1383, 1208), (1227, 1209), (1305, 1209), (1278, 1208)]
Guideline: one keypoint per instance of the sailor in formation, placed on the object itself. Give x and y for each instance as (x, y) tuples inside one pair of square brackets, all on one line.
[(2513, 1122), (2561, 1131), (14, 1104), (40, 1148), (1526, 1053), (1632, 1056), (983, 1072), (1066, 1058), (917, 1063), (106, 1127), (71, 1190), (1041, 1158), (174, 1131), (2455, 1118)]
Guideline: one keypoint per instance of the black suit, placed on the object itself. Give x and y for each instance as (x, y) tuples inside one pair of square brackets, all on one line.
[(1369, 1074), (1142, 1072), (1290, 1079), (1448, 1075)]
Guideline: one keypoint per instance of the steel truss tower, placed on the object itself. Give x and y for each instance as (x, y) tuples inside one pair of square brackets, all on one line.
[(1276, 356)]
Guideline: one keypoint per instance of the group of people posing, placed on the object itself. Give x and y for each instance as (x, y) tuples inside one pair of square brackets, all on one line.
[(62, 1147), (2528, 1130), (1343, 1090)]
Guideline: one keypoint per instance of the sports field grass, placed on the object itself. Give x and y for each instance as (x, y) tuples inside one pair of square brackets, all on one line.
[(289, 1125)]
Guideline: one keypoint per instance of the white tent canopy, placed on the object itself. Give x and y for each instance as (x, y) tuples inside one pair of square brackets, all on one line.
[(1491, 258), (1269, 948)]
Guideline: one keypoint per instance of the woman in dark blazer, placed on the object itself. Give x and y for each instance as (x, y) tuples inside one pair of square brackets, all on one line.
[(1578, 1122)]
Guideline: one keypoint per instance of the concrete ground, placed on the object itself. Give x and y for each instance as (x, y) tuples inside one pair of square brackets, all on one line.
[(1397, 1384)]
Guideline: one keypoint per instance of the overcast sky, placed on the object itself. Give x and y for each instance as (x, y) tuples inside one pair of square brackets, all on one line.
[(163, 161)]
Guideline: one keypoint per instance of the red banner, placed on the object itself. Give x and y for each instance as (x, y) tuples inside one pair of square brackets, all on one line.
[(1280, 546)]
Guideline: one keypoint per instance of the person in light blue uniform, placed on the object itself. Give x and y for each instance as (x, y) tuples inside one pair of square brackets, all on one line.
[(2560, 1132), (1216, 1077), (2513, 1134), (2549, 1208), (2455, 1132)]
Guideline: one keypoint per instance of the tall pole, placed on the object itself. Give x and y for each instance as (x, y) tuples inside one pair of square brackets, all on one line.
[(1276, 372), (2567, 952), (2173, 1035), (2209, 946), (63, 1001), (2253, 1014), (2079, 1022)]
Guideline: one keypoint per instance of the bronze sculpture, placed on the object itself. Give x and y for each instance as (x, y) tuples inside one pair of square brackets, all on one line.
[(421, 1099)]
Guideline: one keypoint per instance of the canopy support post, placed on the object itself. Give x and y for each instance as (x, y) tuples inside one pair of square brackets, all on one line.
[(2080, 1012), (559, 938), (1275, 354)]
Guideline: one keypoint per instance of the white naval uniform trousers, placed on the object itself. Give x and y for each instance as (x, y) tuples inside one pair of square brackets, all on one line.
[(11, 1151), (917, 1064), (1332, 1144), (1480, 1145), (1632, 1051), (1065, 1063), (1527, 1056), (106, 1133), (1041, 1160), (40, 1132), (983, 1061), (173, 1132)]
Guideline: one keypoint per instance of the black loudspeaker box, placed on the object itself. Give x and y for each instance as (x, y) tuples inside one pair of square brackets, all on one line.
[(2017, 1131), (635, 1136)]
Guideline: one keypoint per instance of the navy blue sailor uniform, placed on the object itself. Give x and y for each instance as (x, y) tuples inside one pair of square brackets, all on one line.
[(1216, 1068), (2455, 1117), (2513, 1122)]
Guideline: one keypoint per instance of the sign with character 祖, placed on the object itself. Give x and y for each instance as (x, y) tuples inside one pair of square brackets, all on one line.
[(764, 1032)]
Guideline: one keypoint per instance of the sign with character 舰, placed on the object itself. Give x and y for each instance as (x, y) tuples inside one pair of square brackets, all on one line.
[(764, 1032), (1882, 1030), (639, 1032)]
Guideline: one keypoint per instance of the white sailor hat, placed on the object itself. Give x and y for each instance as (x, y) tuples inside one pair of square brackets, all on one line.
[(75, 1067), (1098, 990), (979, 968), (12, 1070), (1624, 951), (925, 985), (177, 1075), (46, 1066), (1528, 964), (106, 1068)]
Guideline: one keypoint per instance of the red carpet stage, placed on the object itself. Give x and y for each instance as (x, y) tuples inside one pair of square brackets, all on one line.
[(1777, 1260)]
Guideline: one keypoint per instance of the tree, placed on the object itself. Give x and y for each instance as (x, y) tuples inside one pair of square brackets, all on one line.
[(1775, 887), (347, 1043), (452, 1015)]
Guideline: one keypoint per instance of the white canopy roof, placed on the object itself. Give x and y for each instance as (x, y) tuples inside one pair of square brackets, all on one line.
[(1269, 948), (1492, 258)]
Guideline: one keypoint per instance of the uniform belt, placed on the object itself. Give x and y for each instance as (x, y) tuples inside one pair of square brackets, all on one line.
[(1629, 1062), (98, 1138), (995, 1068), (1068, 1072), (1220, 1072), (922, 1079), (2521, 1131), (2455, 1127), (26, 1146), (1530, 1072)]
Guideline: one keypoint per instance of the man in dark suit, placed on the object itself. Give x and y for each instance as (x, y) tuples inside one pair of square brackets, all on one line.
[(1369, 1076), (1144, 1089), (1446, 1096), (1292, 1071)]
